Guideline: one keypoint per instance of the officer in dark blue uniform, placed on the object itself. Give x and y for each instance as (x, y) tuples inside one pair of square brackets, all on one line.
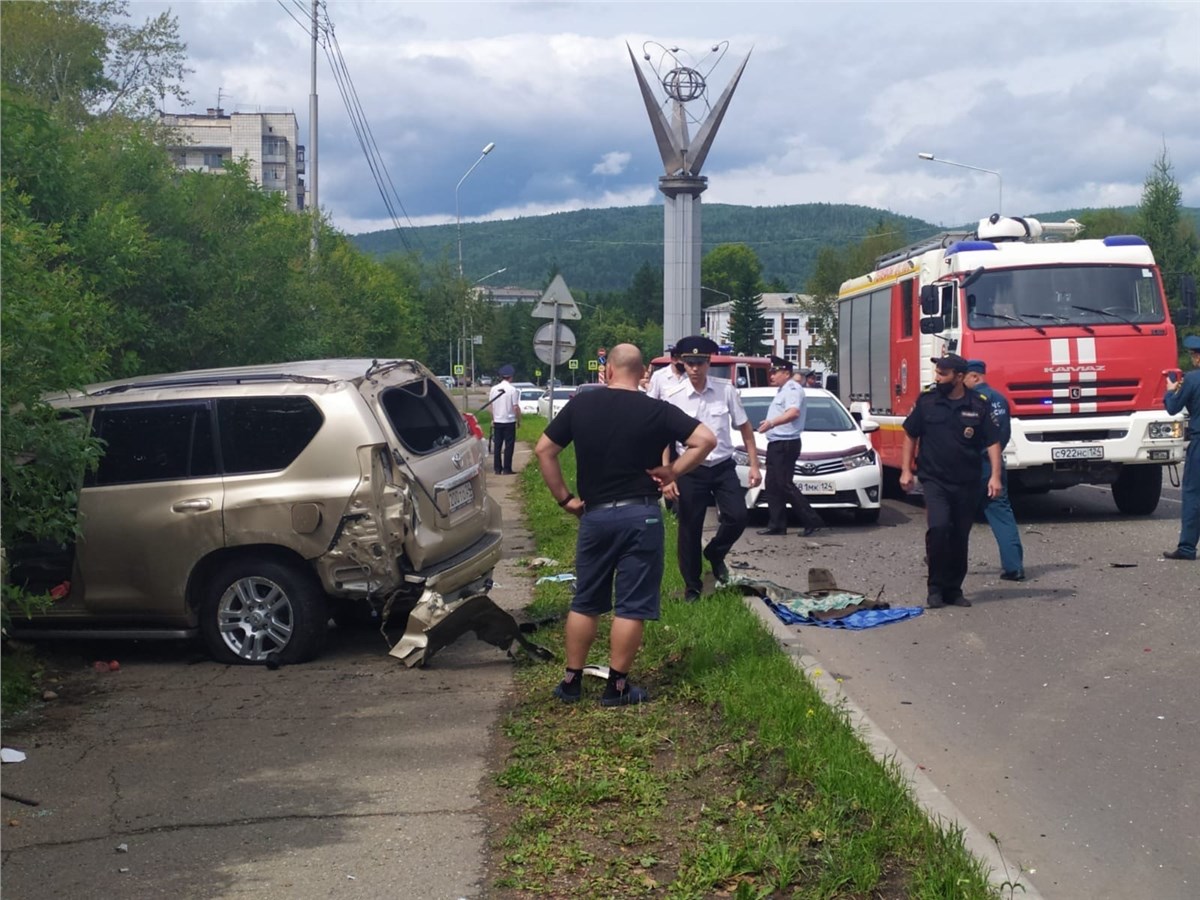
[(1185, 393), (948, 431)]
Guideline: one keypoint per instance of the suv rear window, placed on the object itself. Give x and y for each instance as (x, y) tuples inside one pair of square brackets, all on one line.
[(153, 443), (425, 420), (265, 434)]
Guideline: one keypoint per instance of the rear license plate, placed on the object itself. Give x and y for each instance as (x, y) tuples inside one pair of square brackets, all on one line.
[(1077, 453), (463, 495), (817, 487)]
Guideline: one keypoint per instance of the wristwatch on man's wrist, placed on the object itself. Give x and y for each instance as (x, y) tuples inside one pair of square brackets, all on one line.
[(565, 500)]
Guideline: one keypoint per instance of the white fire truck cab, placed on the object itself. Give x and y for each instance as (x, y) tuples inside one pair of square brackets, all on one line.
[(1075, 333)]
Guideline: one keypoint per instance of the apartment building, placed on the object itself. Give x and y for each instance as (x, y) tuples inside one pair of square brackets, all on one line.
[(267, 141), (787, 335)]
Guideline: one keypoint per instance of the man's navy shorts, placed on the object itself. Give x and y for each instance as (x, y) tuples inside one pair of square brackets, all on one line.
[(624, 544)]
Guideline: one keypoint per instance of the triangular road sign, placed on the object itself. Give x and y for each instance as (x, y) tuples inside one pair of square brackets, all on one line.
[(557, 295)]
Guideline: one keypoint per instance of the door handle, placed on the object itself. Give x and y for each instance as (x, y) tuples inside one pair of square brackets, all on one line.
[(198, 505)]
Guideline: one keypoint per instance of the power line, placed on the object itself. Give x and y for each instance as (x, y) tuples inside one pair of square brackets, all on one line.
[(358, 117), (367, 137), (299, 22)]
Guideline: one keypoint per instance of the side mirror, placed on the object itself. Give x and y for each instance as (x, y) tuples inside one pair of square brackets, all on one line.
[(933, 325), (869, 426), (929, 301)]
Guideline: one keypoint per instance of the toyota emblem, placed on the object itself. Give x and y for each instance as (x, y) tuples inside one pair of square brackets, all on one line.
[(457, 459)]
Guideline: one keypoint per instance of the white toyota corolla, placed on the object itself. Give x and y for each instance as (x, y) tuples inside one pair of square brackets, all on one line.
[(837, 468)]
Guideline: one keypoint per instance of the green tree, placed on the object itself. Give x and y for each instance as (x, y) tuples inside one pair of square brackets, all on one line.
[(734, 269), (1101, 223), (1172, 237), (53, 333), (644, 298), (821, 307), (80, 57), (835, 265)]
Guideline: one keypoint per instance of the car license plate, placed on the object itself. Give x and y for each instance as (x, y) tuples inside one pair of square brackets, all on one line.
[(817, 487), (1077, 453), (463, 495)]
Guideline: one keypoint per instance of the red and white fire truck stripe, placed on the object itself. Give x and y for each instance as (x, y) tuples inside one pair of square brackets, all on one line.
[(1074, 380)]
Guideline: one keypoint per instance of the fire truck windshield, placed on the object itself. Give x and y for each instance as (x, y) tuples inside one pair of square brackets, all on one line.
[(1059, 295)]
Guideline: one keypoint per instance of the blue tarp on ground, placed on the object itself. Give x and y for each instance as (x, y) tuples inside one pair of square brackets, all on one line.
[(864, 618)]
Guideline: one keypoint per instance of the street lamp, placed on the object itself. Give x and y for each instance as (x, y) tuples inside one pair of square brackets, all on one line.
[(1000, 197), (486, 277), (458, 217)]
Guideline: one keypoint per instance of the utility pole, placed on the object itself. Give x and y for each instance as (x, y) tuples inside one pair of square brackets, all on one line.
[(314, 204)]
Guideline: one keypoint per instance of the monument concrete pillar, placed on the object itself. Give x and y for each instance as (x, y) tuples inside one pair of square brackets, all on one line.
[(682, 184)]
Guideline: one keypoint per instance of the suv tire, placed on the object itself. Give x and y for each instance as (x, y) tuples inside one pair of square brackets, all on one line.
[(259, 611)]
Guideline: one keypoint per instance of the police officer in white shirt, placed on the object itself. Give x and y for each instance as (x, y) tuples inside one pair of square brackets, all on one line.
[(504, 401), (667, 378), (716, 403), (783, 426)]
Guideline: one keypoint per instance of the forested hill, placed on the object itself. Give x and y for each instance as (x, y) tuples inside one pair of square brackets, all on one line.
[(601, 249)]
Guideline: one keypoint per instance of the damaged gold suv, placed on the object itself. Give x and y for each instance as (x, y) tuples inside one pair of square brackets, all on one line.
[(245, 504)]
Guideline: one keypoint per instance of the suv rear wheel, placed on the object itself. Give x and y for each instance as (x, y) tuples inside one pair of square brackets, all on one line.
[(257, 610)]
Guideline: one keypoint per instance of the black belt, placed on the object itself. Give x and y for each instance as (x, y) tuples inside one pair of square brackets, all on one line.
[(617, 504)]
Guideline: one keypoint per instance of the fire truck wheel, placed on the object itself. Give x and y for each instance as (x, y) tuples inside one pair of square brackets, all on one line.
[(1137, 489)]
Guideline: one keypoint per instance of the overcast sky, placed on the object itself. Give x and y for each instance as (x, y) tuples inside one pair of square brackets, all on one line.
[(1070, 102)]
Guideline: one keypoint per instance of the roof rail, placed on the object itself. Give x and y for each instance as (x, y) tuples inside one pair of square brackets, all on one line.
[(213, 378), (936, 242)]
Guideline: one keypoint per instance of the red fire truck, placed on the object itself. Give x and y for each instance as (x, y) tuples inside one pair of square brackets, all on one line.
[(1076, 333)]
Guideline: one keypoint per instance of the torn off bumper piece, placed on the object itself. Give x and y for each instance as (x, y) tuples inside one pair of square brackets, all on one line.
[(435, 622)]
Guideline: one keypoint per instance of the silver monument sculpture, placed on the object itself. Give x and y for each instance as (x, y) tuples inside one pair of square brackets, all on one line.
[(682, 82)]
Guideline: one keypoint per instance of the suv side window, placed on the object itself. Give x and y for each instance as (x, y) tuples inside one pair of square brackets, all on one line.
[(153, 443), (424, 420), (265, 434)]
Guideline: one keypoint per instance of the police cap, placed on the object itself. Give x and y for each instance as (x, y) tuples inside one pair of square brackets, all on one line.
[(697, 345), (951, 361), (1192, 342), (977, 365)]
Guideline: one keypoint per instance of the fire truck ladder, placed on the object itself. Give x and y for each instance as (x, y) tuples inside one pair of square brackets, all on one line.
[(937, 241)]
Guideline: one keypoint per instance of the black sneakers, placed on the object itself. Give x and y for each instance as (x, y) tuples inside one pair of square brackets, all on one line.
[(1175, 554)]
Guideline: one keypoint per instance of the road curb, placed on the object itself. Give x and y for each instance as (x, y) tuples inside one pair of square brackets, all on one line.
[(929, 796)]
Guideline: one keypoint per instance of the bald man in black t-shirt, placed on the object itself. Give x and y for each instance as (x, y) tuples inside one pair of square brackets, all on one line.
[(619, 435)]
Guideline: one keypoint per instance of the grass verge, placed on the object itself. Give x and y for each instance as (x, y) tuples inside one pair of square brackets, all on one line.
[(738, 780)]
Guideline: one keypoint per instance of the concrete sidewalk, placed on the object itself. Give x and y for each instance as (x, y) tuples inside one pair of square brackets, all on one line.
[(352, 776)]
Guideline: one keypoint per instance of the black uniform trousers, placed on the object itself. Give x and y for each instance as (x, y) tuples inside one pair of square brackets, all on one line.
[(504, 439), (949, 514), (718, 483), (781, 489)]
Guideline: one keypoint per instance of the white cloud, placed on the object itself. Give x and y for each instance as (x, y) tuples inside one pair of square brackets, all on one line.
[(1071, 101), (613, 163)]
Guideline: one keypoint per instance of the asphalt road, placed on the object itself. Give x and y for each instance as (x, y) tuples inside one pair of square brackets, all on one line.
[(1059, 714), (174, 776)]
